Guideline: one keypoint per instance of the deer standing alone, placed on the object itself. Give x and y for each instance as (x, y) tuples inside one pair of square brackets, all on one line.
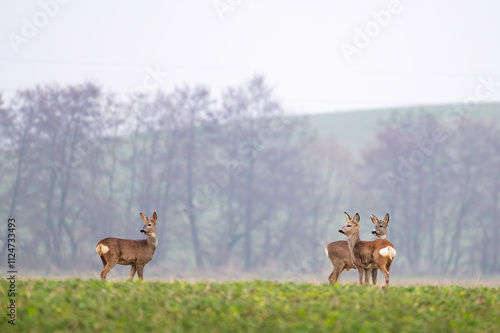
[(129, 251), (339, 254), (367, 255)]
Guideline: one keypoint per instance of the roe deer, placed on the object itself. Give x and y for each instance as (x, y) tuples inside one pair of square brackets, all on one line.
[(339, 254), (367, 255), (129, 251), (379, 231)]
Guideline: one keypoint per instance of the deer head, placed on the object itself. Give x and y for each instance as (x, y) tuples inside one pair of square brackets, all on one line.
[(351, 226), (149, 228), (380, 226)]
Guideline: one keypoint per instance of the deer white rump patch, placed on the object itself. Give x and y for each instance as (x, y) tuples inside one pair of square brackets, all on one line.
[(326, 251), (102, 249), (388, 251)]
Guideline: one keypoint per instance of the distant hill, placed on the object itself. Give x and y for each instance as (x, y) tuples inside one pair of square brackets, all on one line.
[(355, 128)]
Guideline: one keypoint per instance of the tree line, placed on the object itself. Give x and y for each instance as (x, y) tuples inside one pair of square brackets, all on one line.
[(238, 184)]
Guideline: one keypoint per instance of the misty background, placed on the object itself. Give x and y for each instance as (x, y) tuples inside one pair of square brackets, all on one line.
[(224, 118)]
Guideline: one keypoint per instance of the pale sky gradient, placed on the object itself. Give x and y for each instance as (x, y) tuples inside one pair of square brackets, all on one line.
[(431, 52)]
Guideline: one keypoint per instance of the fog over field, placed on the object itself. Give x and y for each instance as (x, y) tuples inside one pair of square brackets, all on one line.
[(250, 128)]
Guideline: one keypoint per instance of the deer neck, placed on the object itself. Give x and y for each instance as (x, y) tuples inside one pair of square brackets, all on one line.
[(152, 241), (352, 240)]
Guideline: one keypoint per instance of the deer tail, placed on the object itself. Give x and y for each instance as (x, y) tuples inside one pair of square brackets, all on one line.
[(388, 251), (101, 249)]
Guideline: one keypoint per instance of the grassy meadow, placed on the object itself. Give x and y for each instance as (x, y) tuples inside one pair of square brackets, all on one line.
[(254, 306)]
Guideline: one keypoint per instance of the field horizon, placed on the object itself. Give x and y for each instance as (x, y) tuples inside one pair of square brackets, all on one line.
[(351, 278)]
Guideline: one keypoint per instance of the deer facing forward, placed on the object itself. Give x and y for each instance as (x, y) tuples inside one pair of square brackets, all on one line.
[(339, 254), (367, 255), (129, 251)]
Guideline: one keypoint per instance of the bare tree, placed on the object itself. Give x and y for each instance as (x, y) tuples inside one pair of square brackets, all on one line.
[(430, 172)]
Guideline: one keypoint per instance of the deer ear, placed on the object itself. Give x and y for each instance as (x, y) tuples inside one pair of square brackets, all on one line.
[(386, 218), (347, 217), (356, 218), (374, 219), (144, 218), (154, 217)]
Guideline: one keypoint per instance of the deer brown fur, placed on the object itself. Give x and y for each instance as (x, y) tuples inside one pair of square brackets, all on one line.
[(339, 254), (367, 255), (128, 251)]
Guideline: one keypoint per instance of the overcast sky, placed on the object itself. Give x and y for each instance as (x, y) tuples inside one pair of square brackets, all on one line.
[(319, 55)]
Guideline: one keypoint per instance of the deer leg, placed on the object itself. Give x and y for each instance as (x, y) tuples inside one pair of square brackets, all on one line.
[(388, 265), (374, 276), (337, 269), (132, 272), (384, 271), (109, 265), (103, 261), (360, 272), (330, 277), (140, 269), (367, 276)]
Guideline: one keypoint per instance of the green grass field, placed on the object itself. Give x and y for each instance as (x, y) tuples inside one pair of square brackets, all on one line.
[(257, 306)]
